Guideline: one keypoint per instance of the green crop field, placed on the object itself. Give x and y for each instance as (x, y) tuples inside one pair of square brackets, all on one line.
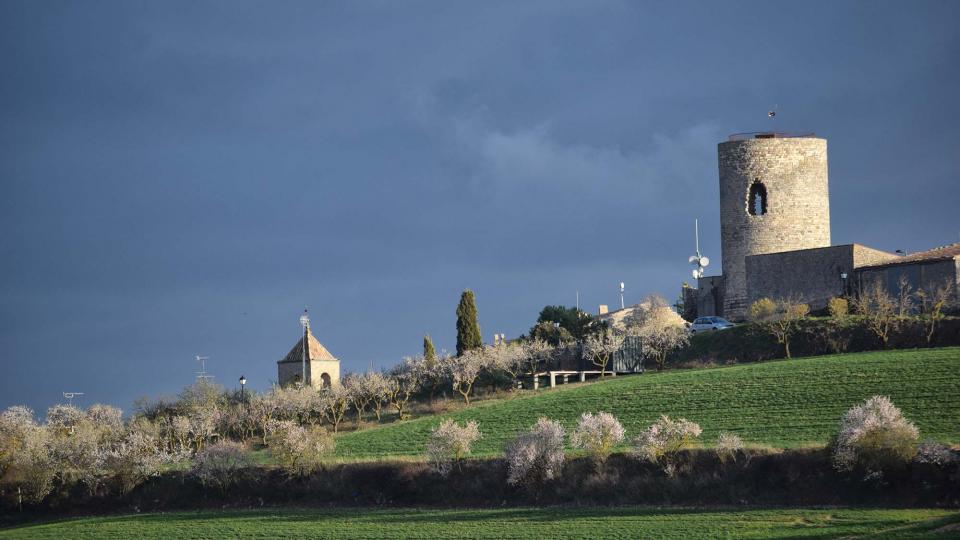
[(508, 523), (787, 404)]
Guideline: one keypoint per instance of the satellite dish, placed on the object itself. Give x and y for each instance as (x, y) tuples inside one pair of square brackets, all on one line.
[(698, 260)]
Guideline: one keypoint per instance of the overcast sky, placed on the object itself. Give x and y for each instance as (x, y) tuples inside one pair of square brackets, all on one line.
[(181, 178)]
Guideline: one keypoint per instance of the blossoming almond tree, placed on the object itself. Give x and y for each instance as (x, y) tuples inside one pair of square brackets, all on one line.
[(536, 456), (449, 443), (597, 434), (463, 371), (661, 442), (600, 347), (876, 435)]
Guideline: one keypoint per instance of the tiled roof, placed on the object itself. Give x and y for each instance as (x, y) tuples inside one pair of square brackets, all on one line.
[(943, 252), (315, 351)]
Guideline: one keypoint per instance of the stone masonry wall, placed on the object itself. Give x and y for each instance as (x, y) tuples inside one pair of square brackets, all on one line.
[(794, 174), (811, 276)]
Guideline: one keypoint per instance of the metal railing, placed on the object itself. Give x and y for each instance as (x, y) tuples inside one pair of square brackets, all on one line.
[(769, 135)]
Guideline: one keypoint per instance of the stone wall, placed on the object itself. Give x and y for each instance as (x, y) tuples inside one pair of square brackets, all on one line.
[(793, 172), (709, 296), (291, 372), (926, 275), (812, 276)]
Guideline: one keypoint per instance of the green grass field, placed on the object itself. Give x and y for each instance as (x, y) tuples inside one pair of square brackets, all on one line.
[(787, 404), (508, 523)]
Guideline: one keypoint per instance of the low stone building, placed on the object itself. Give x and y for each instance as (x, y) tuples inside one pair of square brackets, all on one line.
[(308, 356)]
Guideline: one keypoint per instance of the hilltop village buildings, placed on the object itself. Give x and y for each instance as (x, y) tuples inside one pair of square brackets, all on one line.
[(775, 234), (775, 243)]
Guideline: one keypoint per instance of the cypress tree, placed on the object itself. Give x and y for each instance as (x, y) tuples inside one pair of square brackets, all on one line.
[(429, 353), (468, 329)]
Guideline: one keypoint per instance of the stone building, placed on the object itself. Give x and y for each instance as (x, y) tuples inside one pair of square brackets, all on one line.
[(308, 354), (775, 234)]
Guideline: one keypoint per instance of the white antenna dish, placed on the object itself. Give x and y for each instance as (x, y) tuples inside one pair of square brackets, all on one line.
[(697, 260)]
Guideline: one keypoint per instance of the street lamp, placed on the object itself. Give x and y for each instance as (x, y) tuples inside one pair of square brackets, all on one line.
[(843, 278), (243, 382)]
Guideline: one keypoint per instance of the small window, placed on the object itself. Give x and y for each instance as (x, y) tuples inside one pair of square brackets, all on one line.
[(757, 199)]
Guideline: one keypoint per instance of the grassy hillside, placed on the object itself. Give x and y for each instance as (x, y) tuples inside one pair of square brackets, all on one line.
[(787, 403), (505, 523)]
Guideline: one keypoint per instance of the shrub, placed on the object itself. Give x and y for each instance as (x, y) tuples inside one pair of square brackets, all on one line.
[(536, 456), (661, 442), (728, 445), (838, 308), (220, 464), (934, 453), (874, 435), (299, 450), (449, 442), (598, 434), (134, 459), (32, 467)]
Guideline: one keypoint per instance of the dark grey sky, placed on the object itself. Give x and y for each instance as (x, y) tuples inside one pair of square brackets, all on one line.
[(180, 178)]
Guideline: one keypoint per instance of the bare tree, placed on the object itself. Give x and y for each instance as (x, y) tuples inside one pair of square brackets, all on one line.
[(779, 318), (905, 297), (878, 309), (932, 305), (599, 348)]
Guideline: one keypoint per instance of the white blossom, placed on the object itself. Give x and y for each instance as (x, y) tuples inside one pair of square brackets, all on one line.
[(598, 434), (536, 456), (874, 434), (449, 442)]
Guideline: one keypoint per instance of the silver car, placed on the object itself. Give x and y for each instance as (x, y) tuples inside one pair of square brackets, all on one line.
[(703, 324)]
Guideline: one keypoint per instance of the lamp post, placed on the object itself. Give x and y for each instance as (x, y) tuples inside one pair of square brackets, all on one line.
[(843, 277), (243, 383)]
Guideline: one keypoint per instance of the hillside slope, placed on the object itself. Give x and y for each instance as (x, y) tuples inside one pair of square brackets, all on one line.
[(787, 403)]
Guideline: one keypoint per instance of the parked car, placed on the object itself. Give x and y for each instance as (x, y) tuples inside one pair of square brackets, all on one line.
[(703, 324)]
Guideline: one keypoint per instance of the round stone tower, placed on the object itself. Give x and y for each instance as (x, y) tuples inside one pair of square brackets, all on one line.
[(773, 198)]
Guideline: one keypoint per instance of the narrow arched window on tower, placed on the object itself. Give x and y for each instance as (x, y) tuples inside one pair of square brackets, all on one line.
[(757, 199)]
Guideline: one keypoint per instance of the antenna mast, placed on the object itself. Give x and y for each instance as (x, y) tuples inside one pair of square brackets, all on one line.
[(697, 260), (202, 374)]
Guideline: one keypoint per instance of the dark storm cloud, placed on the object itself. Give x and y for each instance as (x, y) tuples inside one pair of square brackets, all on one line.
[(181, 178)]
